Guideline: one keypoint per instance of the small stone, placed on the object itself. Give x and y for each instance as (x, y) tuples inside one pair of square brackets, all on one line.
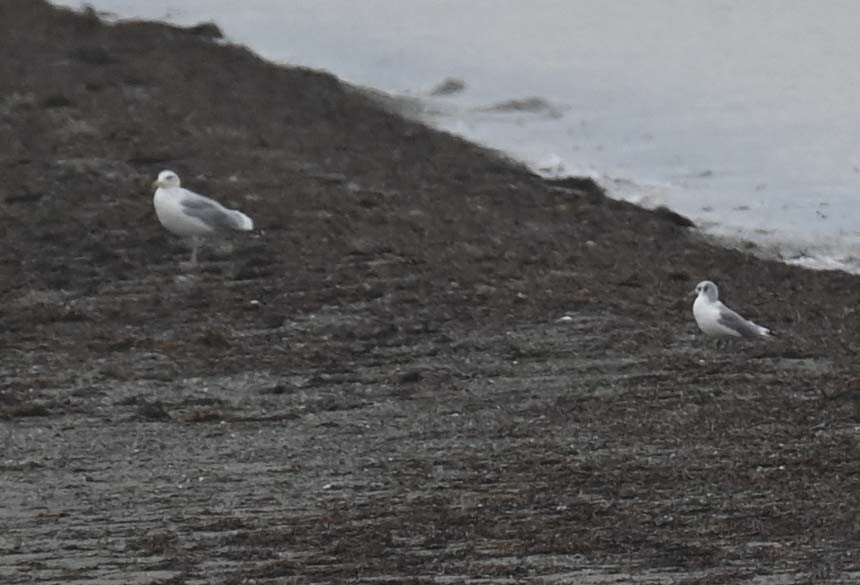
[(410, 377), (206, 30), (448, 86)]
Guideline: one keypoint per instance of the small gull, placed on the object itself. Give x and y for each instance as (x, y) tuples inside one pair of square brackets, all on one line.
[(717, 320), (194, 216)]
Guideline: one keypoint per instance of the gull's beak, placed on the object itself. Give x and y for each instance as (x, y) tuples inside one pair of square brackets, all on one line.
[(693, 293), (156, 184)]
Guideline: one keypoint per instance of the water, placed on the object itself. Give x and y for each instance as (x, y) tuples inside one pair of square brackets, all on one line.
[(738, 114)]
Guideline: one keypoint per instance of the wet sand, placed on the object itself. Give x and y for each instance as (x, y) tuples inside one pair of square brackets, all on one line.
[(375, 387)]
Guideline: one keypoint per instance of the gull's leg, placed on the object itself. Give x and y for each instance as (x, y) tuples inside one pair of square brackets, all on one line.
[(195, 245), (194, 251)]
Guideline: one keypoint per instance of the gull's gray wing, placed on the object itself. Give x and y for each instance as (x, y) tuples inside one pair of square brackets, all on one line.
[(735, 322), (210, 212)]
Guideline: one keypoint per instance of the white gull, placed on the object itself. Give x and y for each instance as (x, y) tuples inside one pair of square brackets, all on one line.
[(194, 216), (717, 320)]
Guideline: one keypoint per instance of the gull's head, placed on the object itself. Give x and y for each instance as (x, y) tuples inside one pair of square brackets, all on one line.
[(707, 289), (166, 180)]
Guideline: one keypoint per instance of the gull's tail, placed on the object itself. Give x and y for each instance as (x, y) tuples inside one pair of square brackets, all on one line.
[(242, 221)]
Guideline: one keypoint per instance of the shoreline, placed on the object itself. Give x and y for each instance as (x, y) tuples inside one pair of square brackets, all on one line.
[(375, 384), (811, 251), (816, 251)]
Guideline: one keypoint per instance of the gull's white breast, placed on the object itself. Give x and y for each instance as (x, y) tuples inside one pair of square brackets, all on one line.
[(168, 209), (707, 316)]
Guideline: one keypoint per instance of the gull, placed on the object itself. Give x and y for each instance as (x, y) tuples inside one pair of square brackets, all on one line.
[(717, 320), (194, 216)]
